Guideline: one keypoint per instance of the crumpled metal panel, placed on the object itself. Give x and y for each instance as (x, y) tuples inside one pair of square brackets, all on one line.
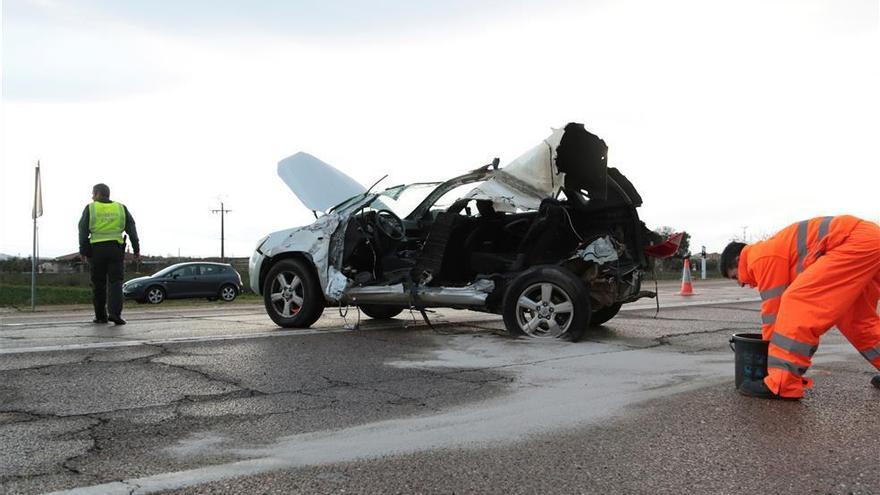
[(312, 240), (336, 284), (525, 181), (322, 242)]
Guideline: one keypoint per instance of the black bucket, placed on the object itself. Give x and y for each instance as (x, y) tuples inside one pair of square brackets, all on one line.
[(751, 356)]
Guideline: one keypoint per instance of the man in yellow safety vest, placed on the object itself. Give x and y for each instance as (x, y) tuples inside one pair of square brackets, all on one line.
[(102, 245)]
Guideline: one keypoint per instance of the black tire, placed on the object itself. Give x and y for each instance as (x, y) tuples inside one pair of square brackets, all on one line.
[(381, 311), (154, 295), (227, 293), (307, 290), (602, 315), (564, 287)]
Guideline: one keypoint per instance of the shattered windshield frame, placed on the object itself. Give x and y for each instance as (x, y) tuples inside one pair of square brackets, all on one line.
[(418, 192)]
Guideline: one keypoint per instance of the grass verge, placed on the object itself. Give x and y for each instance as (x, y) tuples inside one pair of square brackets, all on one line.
[(20, 295)]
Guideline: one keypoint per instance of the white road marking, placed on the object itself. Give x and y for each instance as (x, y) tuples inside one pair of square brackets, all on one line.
[(176, 340), (85, 321)]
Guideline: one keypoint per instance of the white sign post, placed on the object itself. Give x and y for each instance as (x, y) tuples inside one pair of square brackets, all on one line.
[(703, 264), (35, 214)]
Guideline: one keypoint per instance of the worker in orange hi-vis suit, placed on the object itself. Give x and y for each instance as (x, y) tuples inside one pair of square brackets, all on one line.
[(811, 275)]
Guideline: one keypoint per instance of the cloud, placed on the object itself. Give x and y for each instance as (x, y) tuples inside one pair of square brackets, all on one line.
[(53, 53), (103, 49), (301, 19)]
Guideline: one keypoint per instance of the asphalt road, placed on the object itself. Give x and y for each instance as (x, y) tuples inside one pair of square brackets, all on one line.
[(216, 399)]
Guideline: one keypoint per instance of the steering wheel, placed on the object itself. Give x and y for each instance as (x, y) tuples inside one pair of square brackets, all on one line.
[(390, 225)]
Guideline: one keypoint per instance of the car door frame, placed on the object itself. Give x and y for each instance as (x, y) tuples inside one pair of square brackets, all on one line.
[(208, 285), (180, 285)]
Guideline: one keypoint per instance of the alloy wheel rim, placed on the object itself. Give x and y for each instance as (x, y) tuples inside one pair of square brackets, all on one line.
[(544, 310), (228, 293), (287, 294), (155, 296)]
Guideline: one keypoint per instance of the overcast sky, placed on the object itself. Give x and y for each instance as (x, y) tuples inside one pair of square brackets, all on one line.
[(724, 115)]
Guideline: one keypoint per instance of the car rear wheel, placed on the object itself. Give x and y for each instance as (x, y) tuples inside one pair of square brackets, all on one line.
[(228, 292), (602, 315), (155, 295), (381, 311), (547, 302), (292, 294)]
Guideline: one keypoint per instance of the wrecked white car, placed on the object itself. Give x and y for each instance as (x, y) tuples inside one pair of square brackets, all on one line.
[(552, 242)]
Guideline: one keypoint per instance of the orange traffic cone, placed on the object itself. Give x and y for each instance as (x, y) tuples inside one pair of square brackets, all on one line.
[(687, 289)]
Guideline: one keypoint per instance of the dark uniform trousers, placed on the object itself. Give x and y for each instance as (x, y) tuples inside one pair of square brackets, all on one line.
[(106, 270)]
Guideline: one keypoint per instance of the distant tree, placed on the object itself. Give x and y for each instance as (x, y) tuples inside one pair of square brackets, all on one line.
[(15, 265)]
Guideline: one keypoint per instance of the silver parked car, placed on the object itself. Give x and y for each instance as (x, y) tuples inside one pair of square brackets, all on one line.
[(552, 241)]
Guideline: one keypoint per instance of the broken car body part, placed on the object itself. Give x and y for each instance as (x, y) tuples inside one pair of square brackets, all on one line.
[(556, 217)]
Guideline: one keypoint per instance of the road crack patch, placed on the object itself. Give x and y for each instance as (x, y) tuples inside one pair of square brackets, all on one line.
[(167, 352)]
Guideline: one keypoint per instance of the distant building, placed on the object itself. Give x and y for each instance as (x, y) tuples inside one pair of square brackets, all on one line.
[(69, 263)]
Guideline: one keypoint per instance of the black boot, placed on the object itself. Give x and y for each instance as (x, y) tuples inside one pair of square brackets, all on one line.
[(117, 320), (757, 388), (876, 381), (99, 320)]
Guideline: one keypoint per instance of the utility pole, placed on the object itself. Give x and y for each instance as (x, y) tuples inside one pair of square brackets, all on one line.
[(744, 233), (222, 211)]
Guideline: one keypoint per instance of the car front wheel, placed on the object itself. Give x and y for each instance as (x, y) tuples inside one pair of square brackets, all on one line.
[(155, 295), (547, 302), (292, 294)]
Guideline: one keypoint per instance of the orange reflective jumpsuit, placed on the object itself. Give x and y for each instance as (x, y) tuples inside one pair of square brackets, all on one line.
[(813, 275)]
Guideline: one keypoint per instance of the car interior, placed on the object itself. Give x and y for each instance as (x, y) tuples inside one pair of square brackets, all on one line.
[(470, 239)]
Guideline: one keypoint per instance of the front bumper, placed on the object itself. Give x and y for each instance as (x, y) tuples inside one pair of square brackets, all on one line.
[(254, 266), (133, 292)]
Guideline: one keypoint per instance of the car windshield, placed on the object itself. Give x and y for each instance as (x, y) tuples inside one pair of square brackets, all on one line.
[(401, 200), (165, 271)]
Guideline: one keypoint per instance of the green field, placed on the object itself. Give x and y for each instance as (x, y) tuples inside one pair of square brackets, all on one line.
[(20, 295)]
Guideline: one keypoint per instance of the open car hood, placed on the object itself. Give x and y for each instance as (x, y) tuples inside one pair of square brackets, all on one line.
[(318, 185), (570, 158)]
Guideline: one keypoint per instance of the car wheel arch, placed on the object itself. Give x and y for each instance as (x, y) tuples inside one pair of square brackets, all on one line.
[(295, 255)]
